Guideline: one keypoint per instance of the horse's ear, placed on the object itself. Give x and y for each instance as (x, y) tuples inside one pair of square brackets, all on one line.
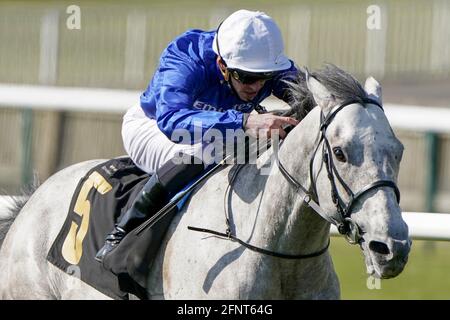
[(373, 89), (324, 99)]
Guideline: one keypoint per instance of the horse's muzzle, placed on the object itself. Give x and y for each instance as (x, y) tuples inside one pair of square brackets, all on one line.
[(387, 259)]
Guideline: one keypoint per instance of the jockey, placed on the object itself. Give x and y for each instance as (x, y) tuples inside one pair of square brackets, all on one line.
[(205, 81)]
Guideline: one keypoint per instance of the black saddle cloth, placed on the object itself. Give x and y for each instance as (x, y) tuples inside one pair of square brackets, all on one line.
[(107, 191)]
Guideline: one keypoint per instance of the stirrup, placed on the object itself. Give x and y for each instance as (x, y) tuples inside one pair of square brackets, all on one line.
[(111, 242)]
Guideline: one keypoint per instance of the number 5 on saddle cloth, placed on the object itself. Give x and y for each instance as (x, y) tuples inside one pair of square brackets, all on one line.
[(104, 194)]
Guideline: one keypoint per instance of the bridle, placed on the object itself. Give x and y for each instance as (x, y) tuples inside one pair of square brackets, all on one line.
[(344, 222)]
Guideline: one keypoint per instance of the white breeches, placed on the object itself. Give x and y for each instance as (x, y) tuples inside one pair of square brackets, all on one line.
[(146, 145)]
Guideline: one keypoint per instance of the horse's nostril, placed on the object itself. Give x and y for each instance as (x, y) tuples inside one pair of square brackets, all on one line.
[(378, 247)]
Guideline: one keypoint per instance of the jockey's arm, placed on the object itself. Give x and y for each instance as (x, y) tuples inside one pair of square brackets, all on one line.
[(175, 113)]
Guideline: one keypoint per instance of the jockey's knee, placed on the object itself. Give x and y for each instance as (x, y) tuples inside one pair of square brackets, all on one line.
[(174, 175)]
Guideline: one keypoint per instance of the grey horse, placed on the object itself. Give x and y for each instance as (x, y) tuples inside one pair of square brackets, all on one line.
[(266, 211)]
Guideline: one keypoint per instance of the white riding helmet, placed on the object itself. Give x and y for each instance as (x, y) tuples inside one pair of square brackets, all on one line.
[(251, 41)]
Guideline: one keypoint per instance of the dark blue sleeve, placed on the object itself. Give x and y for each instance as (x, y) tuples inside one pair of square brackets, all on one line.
[(181, 81), (280, 86)]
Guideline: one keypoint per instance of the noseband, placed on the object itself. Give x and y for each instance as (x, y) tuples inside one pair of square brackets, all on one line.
[(344, 222)]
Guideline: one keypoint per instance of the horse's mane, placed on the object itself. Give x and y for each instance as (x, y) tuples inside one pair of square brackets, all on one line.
[(341, 84)]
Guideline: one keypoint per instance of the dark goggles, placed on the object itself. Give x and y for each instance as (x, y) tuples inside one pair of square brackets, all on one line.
[(246, 77)]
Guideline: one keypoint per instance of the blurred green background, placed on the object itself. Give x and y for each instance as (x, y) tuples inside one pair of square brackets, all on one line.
[(426, 275), (119, 44)]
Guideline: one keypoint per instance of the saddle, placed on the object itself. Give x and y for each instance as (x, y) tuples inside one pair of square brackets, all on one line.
[(100, 198)]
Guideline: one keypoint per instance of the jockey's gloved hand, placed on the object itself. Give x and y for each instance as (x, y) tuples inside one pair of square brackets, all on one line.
[(263, 125)]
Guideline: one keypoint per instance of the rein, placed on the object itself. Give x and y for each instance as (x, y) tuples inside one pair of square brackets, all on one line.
[(229, 236)]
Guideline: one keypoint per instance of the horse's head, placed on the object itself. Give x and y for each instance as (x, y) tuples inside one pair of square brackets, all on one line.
[(355, 169)]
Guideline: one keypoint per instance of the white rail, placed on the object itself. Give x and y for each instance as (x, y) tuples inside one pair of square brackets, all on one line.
[(407, 117), (418, 118), (423, 226), (67, 99)]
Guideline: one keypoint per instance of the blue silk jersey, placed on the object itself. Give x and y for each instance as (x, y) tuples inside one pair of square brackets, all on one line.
[(189, 92)]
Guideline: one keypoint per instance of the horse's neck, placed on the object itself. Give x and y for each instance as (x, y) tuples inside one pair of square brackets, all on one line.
[(285, 224)]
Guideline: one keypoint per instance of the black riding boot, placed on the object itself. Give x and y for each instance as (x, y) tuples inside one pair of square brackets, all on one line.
[(165, 183), (152, 197)]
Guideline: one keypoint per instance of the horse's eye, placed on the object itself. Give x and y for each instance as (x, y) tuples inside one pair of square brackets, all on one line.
[(339, 154)]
